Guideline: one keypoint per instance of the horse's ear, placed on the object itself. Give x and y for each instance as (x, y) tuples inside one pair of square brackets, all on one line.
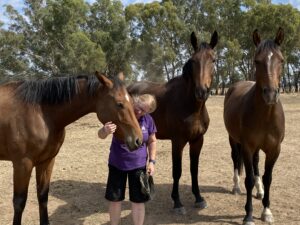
[(214, 39), (194, 41), (256, 37), (121, 76), (104, 80), (279, 36)]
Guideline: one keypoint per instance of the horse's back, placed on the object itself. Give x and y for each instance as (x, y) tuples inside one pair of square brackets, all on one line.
[(238, 91), (146, 87)]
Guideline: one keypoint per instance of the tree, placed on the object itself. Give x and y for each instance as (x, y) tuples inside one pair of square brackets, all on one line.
[(159, 38), (54, 40), (12, 60), (108, 28)]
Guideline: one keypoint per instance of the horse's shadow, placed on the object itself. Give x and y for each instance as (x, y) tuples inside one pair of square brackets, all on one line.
[(84, 199)]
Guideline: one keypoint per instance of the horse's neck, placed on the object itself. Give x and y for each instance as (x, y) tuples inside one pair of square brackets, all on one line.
[(66, 113), (184, 92)]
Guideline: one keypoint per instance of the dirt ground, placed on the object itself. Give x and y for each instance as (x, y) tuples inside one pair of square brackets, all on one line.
[(80, 172)]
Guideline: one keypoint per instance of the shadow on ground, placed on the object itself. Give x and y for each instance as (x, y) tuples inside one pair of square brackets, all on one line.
[(85, 199)]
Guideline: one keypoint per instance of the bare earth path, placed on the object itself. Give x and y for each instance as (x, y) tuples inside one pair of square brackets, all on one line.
[(80, 172)]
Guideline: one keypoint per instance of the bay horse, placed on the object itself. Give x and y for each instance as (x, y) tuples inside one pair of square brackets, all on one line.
[(254, 119), (181, 114), (34, 115)]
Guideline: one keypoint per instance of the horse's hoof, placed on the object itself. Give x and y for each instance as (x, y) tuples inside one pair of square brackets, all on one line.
[(248, 223), (201, 205), (179, 211), (267, 216), (259, 196), (236, 191)]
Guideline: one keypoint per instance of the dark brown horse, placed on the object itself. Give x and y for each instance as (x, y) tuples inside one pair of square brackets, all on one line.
[(181, 114), (254, 119), (34, 115)]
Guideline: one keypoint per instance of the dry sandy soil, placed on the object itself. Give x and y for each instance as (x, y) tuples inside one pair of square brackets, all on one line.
[(79, 177)]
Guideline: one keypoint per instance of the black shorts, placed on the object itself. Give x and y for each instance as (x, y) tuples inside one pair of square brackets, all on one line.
[(116, 185)]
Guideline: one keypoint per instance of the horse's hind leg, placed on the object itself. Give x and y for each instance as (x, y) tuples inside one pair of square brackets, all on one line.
[(271, 158), (22, 173), (258, 182), (43, 175), (177, 148), (237, 160), (195, 149)]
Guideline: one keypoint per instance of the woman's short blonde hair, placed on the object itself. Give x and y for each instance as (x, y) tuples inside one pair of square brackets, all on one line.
[(145, 99)]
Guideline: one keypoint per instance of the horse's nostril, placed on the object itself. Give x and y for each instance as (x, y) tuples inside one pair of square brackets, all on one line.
[(138, 142), (265, 90)]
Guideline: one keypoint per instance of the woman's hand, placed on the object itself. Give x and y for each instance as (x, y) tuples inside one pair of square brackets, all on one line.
[(151, 169), (107, 129), (110, 128)]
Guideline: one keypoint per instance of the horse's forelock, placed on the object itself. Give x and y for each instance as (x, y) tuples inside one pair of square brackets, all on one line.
[(117, 82), (267, 45), (204, 45)]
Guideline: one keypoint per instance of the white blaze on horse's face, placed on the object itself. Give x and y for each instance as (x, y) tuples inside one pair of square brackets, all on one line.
[(127, 97), (270, 54)]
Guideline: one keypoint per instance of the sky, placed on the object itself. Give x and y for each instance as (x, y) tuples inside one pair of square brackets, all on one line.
[(18, 4)]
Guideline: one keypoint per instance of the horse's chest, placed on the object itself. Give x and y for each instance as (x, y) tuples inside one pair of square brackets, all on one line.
[(195, 124), (265, 134)]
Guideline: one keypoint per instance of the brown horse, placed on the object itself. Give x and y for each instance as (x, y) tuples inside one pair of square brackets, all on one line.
[(34, 115), (254, 119), (181, 114)]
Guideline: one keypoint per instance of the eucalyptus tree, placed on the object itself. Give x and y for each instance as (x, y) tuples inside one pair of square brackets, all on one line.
[(159, 39), (54, 39), (108, 28), (12, 60)]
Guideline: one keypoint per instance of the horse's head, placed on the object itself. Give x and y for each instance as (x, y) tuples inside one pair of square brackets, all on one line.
[(116, 106), (200, 67), (268, 65)]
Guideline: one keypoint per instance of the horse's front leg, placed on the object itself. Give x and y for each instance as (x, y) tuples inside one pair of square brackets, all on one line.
[(195, 149), (237, 160), (271, 158), (249, 184), (258, 182), (43, 175), (177, 148), (22, 173)]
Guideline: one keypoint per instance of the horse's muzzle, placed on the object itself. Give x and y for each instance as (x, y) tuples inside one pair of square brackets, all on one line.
[(134, 145), (271, 95), (201, 94)]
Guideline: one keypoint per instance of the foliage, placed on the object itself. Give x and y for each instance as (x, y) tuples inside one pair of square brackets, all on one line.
[(146, 41)]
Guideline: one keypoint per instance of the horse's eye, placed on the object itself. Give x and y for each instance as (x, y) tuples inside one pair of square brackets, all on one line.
[(256, 61), (213, 60), (120, 105)]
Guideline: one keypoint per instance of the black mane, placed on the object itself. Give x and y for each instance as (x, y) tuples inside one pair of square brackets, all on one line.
[(54, 90)]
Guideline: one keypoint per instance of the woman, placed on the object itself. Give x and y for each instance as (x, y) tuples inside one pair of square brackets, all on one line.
[(123, 163)]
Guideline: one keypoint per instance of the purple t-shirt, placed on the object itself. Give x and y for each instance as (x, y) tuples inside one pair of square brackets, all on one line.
[(125, 160)]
